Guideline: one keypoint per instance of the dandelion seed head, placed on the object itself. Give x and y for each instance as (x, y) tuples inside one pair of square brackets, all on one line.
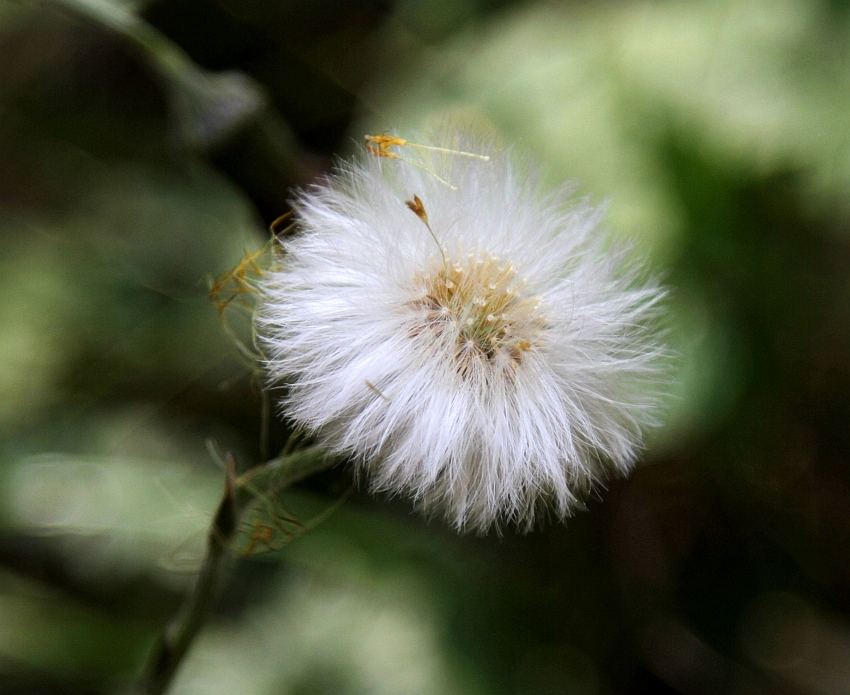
[(491, 356)]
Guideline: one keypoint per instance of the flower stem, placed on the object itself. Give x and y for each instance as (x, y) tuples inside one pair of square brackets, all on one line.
[(240, 494)]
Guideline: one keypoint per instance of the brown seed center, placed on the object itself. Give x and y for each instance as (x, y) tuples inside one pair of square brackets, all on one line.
[(479, 308)]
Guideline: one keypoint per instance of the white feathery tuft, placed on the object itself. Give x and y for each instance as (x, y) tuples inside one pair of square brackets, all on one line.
[(496, 364)]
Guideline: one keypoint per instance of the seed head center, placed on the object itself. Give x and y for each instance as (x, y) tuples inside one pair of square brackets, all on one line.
[(479, 306)]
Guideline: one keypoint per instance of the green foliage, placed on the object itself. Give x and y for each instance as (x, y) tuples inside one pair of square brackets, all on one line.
[(144, 149)]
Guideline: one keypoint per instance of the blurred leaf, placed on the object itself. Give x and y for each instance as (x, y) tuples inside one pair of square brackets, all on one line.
[(43, 631), (593, 89), (115, 516), (208, 109)]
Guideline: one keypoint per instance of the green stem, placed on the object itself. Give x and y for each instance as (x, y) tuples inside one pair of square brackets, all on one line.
[(174, 642), (240, 494), (163, 54)]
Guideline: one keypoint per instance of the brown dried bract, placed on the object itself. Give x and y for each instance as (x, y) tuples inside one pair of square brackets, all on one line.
[(378, 144), (418, 208), (237, 282)]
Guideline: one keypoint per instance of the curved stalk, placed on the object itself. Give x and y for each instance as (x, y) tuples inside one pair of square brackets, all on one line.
[(240, 495)]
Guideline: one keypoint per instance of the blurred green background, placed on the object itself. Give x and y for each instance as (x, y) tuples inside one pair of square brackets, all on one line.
[(146, 146)]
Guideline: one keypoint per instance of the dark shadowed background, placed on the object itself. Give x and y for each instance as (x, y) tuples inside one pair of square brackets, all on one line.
[(144, 149)]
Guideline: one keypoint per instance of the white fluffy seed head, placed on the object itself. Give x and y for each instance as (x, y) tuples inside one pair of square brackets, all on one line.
[(494, 372)]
